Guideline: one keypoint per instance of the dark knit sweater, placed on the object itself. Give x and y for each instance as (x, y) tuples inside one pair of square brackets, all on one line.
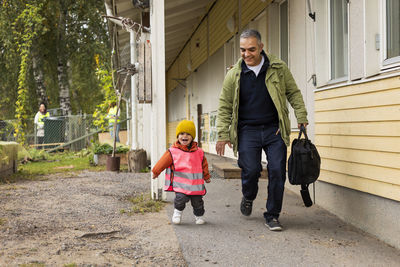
[(255, 104)]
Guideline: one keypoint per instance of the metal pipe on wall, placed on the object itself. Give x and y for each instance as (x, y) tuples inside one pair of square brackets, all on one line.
[(132, 36)]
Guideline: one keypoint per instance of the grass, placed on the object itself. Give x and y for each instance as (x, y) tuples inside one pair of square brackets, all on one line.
[(61, 162), (143, 203), (2, 221)]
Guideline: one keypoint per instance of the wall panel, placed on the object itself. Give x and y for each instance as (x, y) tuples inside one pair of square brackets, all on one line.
[(171, 130), (223, 13), (198, 45), (172, 74), (358, 136), (184, 62), (250, 9), (359, 183)]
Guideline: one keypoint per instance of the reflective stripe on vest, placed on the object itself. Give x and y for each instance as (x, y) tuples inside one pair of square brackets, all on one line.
[(112, 112), (187, 177), (41, 117)]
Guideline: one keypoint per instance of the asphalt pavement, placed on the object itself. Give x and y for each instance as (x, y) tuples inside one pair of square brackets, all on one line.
[(311, 236)]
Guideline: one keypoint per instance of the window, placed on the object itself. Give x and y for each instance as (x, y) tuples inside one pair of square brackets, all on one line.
[(284, 31), (339, 39), (229, 54), (392, 29)]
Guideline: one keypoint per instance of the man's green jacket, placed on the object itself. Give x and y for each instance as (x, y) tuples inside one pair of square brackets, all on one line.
[(281, 87)]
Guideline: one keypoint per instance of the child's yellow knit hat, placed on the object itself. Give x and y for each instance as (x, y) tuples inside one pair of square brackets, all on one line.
[(186, 126)]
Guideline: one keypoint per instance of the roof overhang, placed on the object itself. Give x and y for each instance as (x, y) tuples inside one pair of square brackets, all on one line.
[(181, 19)]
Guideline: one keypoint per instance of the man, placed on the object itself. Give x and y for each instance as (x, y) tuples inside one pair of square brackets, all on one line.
[(253, 116)]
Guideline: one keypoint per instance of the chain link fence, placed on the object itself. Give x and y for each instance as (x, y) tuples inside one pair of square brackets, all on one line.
[(58, 130)]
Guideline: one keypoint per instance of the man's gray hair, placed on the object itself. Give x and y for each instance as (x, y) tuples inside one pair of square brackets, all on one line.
[(251, 33)]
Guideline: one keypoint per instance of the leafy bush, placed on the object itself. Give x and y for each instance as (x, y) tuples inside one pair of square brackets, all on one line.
[(38, 155), (107, 149)]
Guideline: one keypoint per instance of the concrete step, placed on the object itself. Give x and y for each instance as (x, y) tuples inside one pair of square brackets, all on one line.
[(228, 170)]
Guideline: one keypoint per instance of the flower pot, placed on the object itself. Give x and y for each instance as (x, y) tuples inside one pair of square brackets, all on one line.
[(113, 163)]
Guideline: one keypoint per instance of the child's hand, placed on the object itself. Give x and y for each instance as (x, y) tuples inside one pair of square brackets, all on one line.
[(208, 181), (155, 176)]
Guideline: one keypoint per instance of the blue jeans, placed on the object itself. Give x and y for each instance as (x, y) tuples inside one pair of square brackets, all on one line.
[(111, 129), (252, 140)]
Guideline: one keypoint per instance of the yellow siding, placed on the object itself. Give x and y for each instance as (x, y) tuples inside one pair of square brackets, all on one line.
[(358, 136), (183, 61), (218, 18), (251, 8), (172, 73), (171, 130), (206, 133), (198, 45), (374, 128), (360, 183), (359, 89)]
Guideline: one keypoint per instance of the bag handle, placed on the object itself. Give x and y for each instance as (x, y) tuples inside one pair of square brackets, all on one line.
[(304, 131)]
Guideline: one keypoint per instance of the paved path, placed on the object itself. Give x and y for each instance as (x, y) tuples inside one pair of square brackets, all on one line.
[(311, 236)]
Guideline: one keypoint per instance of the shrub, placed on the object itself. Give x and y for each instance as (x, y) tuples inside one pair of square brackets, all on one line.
[(107, 149)]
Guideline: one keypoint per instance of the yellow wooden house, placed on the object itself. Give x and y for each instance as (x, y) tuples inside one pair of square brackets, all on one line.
[(347, 64)]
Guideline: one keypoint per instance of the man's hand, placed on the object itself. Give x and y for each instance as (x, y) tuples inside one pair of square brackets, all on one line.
[(220, 147)]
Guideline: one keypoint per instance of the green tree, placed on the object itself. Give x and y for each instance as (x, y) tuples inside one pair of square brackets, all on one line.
[(60, 67), (27, 27)]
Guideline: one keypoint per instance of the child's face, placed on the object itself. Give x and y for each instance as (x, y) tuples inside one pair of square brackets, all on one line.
[(185, 139)]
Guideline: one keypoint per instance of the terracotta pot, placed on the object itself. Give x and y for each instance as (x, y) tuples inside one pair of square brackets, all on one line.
[(113, 163)]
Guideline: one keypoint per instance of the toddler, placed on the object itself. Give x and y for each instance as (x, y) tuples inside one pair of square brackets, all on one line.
[(187, 169)]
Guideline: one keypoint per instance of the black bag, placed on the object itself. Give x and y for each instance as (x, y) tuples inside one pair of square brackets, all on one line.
[(304, 165)]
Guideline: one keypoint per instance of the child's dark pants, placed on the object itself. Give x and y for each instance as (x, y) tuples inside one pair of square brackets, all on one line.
[(196, 201)]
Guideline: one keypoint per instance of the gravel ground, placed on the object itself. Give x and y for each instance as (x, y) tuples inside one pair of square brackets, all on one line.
[(77, 219)]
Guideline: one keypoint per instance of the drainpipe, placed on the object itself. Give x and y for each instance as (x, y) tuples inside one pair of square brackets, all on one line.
[(133, 91), (128, 127)]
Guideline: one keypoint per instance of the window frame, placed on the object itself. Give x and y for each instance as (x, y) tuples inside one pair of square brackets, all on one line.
[(288, 30), (347, 76), (230, 52), (386, 63)]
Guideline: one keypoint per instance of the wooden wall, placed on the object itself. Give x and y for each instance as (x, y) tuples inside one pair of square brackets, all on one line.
[(212, 34), (171, 131), (358, 136)]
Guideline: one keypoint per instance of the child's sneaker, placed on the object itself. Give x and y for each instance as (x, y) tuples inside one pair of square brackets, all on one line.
[(200, 220), (176, 217)]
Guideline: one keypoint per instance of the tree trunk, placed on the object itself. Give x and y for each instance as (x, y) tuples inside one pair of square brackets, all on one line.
[(65, 103), (39, 79), (62, 69)]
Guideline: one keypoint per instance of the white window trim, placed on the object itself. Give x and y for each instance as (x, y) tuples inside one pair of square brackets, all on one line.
[(344, 78), (348, 83), (386, 63), (288, 30), (231, 42)]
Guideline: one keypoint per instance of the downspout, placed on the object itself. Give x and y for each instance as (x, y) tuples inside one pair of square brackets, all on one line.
[(133, 91)]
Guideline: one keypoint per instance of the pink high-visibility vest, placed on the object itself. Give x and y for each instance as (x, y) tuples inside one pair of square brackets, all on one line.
[(187, 176)]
